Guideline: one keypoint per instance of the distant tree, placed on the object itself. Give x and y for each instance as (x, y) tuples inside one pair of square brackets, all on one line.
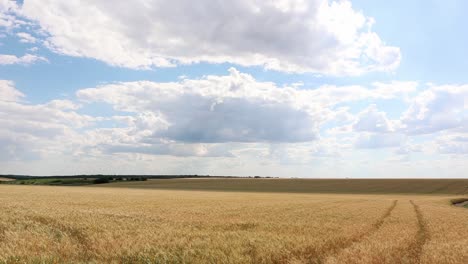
[(101, 180)]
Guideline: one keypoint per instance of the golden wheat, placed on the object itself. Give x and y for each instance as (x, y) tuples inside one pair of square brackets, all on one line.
[(82, 225)]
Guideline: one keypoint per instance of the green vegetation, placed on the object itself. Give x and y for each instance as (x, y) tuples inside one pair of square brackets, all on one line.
[(352, 186), (70, 181), (53, 181), (462, 202)]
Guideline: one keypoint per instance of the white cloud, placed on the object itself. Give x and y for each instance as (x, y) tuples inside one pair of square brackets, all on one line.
[(26, 37), (325, 37), (224, 114), (373, 120), (395, 89), (63, 105), (224, 124), (7, 18), (434, 110), (8, 92), (372, 140), (233, 108), (437, 109), (27, 130), (24, 60)]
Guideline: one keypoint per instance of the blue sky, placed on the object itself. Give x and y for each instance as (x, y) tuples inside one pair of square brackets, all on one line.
[(285, 88)]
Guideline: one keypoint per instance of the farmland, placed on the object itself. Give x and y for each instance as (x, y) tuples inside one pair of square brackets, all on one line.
[(152, 222), (5, 179), (352, 186)]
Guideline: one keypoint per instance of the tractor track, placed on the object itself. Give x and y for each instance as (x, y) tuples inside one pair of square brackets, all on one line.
[(319, 255), (421, 237), (74, 233), (2, 233)]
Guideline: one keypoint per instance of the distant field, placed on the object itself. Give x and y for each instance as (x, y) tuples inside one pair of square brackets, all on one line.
[(356, 186), (50, 224), (5, 179)]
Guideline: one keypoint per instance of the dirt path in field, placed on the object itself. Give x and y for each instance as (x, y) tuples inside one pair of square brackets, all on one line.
[(422, 236)]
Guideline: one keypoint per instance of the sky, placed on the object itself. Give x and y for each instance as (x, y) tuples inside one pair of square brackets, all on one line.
[(284, 88)]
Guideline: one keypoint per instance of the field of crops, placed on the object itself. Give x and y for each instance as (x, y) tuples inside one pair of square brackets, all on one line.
[(50, 224), (352, 186)]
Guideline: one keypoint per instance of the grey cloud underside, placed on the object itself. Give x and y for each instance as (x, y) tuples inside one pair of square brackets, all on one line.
[(236, 120), (178, 150), (376, 141)]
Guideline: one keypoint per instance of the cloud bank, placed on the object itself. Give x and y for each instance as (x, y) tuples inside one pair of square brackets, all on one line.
[(319, 36), (235, 117)]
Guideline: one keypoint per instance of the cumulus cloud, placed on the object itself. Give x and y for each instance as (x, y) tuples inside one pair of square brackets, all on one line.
[(230, 117), (233, 108), (372, 120), (437, 109), (227, 116), (30, 129), (432, 110), (325, 37), (8, 92), (27, 59)]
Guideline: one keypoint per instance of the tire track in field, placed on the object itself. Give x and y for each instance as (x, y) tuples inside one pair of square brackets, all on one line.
[(338, 247), (422, 236), (2, 232), (375, 227), (77, 235), (3, 225), (319, 255)]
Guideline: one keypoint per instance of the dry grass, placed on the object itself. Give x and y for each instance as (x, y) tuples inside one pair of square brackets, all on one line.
[(43, 224)]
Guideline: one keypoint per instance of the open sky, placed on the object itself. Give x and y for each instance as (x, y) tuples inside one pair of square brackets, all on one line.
[(288, 88)]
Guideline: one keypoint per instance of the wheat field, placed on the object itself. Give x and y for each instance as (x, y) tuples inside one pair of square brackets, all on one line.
[(44, 224)]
